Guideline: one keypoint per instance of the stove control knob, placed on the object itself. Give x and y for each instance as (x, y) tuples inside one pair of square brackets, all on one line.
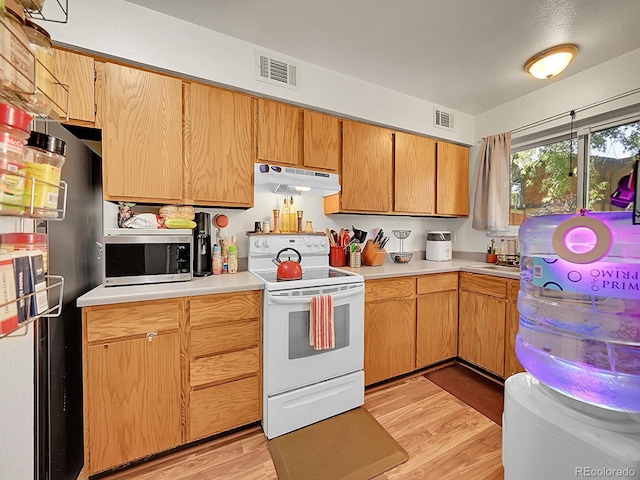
[(257, 243), (265, 243), (308, 242), (323, 243), (315, 243)]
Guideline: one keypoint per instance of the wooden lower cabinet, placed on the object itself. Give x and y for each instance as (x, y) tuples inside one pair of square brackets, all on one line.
[(436, 318), (132, 389), (389, 328), (482, 321), (511, 363), (225, 363), (163, 373)]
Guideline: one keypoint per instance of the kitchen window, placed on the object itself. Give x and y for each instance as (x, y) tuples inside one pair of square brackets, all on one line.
[(560, 176)]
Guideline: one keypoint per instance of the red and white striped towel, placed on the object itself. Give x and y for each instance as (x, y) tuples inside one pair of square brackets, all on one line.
[(322, 335)]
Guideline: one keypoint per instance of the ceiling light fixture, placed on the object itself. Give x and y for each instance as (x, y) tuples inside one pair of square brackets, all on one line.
[(551, 61)]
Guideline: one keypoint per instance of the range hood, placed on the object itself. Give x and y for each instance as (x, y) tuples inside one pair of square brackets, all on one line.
[(294, 181)]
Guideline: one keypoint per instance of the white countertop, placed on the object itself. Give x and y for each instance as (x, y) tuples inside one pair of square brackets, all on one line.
[(425, 267), (244, 281), (236, 282)]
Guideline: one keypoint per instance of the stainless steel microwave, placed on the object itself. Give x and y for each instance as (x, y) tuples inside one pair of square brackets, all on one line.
[(135, 257)]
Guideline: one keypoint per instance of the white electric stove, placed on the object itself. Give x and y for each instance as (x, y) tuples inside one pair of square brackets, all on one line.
[(302, 385)]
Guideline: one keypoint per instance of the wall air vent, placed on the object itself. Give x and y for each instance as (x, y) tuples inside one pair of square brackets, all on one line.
[(277, 72), (443, 119)]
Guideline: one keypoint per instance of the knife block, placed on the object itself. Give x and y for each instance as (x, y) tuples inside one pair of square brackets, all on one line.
[(372, 255)]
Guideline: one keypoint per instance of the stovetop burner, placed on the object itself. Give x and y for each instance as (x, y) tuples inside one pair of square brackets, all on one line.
[(307, 274)]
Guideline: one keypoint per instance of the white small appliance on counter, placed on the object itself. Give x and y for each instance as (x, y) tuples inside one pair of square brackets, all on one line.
[(438, 246)]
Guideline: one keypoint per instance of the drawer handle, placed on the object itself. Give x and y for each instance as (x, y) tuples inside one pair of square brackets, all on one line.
[(151, 335)]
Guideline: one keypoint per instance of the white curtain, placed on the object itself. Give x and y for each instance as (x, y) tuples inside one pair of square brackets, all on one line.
[(493, 186)]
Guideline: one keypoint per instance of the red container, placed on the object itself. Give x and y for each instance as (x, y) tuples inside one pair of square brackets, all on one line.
[(26, 241), (337, 257)]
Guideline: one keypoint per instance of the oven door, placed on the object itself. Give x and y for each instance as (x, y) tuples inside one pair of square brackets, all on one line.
[(289, 361)]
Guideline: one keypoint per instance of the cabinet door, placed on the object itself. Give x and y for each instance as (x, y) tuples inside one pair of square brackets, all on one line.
[(511, 363), (76, 71), (437, 327), (367, 168), (322, 139), (389, 339), (415, 174), (133, 400), (219, 146), (141, 135), (452, 189), (279, 132), (482, 321)]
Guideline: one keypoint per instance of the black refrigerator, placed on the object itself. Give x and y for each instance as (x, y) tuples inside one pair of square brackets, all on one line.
[(74, 249)]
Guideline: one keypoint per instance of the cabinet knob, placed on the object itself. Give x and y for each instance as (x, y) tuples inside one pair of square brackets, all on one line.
[(150, 336)]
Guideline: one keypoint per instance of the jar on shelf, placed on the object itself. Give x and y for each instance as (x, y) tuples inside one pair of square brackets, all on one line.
[(13, 242), (41, 101), (17, 64), (14, 133), (45, 156)]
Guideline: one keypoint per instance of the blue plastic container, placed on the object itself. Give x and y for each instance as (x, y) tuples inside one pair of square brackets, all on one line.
[(580, 321)]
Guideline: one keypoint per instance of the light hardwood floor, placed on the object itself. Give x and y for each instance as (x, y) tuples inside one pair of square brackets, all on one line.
[(445, 439)]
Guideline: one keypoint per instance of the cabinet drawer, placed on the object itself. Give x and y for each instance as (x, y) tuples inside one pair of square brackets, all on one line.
[(513, 286), (130, 319), (439, 282), (484, 284), (219, 368), (224, 338), (386, 289), (223, 407), (225, 307)]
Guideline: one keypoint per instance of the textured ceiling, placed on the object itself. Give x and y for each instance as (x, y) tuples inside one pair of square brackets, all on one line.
[(463, 54)]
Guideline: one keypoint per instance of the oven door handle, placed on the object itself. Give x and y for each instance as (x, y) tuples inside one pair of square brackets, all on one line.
[(307, 298)]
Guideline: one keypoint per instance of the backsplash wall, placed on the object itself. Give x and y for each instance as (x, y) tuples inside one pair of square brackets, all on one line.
[(242, 221)]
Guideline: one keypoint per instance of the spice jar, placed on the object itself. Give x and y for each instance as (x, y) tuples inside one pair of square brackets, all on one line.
[(41, 102), (45, 156), (17, 64), (14, 132)]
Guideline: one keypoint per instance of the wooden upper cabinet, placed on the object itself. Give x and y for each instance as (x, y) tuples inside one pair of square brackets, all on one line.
[(78, 73), (218, 146), (280, 133), (322, 141), (367, 168), (141, 119), (453, 180), (415, 174)]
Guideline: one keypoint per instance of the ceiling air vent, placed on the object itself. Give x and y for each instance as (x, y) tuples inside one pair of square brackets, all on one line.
[(442, 119), (276, 71)]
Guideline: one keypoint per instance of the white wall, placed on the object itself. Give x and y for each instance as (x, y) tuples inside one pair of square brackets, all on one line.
[(116, 28), (604, 81), (242, 221)]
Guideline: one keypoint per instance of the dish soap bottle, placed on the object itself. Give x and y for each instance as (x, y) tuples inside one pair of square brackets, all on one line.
[(217, 260), (233, 258)]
